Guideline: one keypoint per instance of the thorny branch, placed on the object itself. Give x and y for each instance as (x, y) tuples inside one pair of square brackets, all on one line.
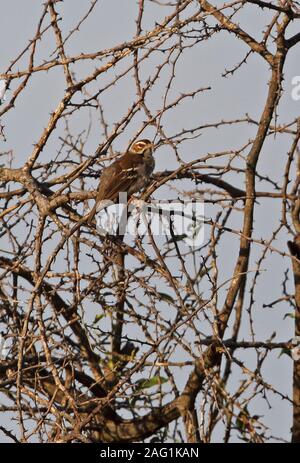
[(115, 340)]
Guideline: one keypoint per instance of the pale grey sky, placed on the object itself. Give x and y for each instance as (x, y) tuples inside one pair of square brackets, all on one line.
[(113, 22)]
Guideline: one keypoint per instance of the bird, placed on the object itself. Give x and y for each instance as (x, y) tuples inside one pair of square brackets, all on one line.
[(128, 174)]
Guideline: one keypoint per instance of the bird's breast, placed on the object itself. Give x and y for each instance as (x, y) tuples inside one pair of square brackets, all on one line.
[(144, 170)]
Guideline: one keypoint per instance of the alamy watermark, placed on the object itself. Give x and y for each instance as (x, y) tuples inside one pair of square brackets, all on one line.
[(179, 220), (4, 349), (3, 88), (296, 88), (296, 350)]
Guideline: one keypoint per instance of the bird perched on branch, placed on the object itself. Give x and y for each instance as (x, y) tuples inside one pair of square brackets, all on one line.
[(128, 174)]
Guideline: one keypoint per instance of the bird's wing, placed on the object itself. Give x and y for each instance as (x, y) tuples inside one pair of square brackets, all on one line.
[(119, 177)]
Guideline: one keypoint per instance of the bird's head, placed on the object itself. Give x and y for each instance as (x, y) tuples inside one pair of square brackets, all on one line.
[(143, 147)]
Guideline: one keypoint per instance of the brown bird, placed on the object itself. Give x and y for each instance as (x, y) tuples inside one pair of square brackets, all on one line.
[(128, 174)]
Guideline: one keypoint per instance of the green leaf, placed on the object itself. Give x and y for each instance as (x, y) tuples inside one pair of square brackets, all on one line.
[(177, 238), (98, 318), (242, 419), (289, 315), (166, 297), (147, 383), (285, 351)]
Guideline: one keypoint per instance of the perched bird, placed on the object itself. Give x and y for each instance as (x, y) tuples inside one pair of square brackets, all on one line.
[(128, 174)]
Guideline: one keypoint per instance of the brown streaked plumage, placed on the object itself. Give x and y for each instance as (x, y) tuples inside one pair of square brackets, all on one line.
[(129, 174)]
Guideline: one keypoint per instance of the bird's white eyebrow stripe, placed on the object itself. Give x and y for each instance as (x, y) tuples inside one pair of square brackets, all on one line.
[(129, 169)]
